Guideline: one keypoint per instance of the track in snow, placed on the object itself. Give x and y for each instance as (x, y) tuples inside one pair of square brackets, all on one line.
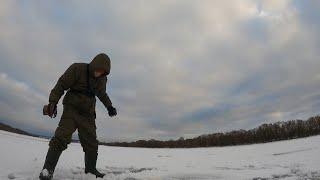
[(22, 158)]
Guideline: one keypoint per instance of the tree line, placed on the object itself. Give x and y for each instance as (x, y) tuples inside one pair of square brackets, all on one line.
[(264, 133)]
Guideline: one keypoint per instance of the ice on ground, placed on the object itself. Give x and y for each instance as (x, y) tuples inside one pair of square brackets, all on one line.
[(22, 157)]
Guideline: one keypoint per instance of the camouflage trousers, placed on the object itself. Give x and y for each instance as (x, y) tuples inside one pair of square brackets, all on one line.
[(71, 120)]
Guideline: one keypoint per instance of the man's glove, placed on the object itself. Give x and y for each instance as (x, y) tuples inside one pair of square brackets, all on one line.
[(112, 111), (50, 110)]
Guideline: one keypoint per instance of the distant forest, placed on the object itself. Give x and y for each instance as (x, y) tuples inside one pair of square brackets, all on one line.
[(8, 128), (265, 133)]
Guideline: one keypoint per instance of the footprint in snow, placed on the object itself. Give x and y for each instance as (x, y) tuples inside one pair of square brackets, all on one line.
[(11, 176)]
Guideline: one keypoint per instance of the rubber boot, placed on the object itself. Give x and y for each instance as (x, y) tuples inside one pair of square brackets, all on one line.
[(90, 159), (50, 164)]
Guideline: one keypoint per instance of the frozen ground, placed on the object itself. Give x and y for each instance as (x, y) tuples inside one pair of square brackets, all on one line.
[(21, 157)]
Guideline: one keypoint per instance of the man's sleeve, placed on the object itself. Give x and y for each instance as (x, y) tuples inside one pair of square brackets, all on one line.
[(65, 82), (102, 94)]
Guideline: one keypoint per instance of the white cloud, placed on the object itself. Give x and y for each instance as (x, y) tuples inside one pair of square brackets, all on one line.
[(170, 59), (20, 105)]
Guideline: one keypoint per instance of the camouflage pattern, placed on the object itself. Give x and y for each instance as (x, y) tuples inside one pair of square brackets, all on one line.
[(70, 121), (79, 108)]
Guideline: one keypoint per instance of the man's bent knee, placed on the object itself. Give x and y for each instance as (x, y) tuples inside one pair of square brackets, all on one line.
[(58, 143), (90, 146)]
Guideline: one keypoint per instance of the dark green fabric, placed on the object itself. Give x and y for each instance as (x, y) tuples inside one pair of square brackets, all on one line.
[(90, 160), (71, 120), (79, 108), (75, 78), (50, 163)]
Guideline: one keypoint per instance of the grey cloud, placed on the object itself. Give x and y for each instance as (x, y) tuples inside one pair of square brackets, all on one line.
[(179, 68)]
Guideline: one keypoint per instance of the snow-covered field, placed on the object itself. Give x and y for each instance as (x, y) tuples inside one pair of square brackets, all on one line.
[(22, 158)]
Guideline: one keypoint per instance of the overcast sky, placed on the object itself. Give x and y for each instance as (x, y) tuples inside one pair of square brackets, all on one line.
[(179, 68)]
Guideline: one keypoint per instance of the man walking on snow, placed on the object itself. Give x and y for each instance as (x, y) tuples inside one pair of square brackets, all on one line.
[(83, 82)]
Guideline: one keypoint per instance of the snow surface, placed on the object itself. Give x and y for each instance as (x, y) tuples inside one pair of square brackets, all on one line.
[(22, 157)]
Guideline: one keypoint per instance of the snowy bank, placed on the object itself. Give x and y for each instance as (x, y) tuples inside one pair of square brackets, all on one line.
[(22, 157)]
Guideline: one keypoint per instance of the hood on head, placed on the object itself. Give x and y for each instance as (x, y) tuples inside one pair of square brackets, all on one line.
[(101, 61)]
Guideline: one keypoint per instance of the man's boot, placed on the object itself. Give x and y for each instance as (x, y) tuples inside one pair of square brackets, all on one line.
[(50, 164), (90, 159)]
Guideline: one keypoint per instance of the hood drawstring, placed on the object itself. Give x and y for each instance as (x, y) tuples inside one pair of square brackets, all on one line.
[(90, 91)]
